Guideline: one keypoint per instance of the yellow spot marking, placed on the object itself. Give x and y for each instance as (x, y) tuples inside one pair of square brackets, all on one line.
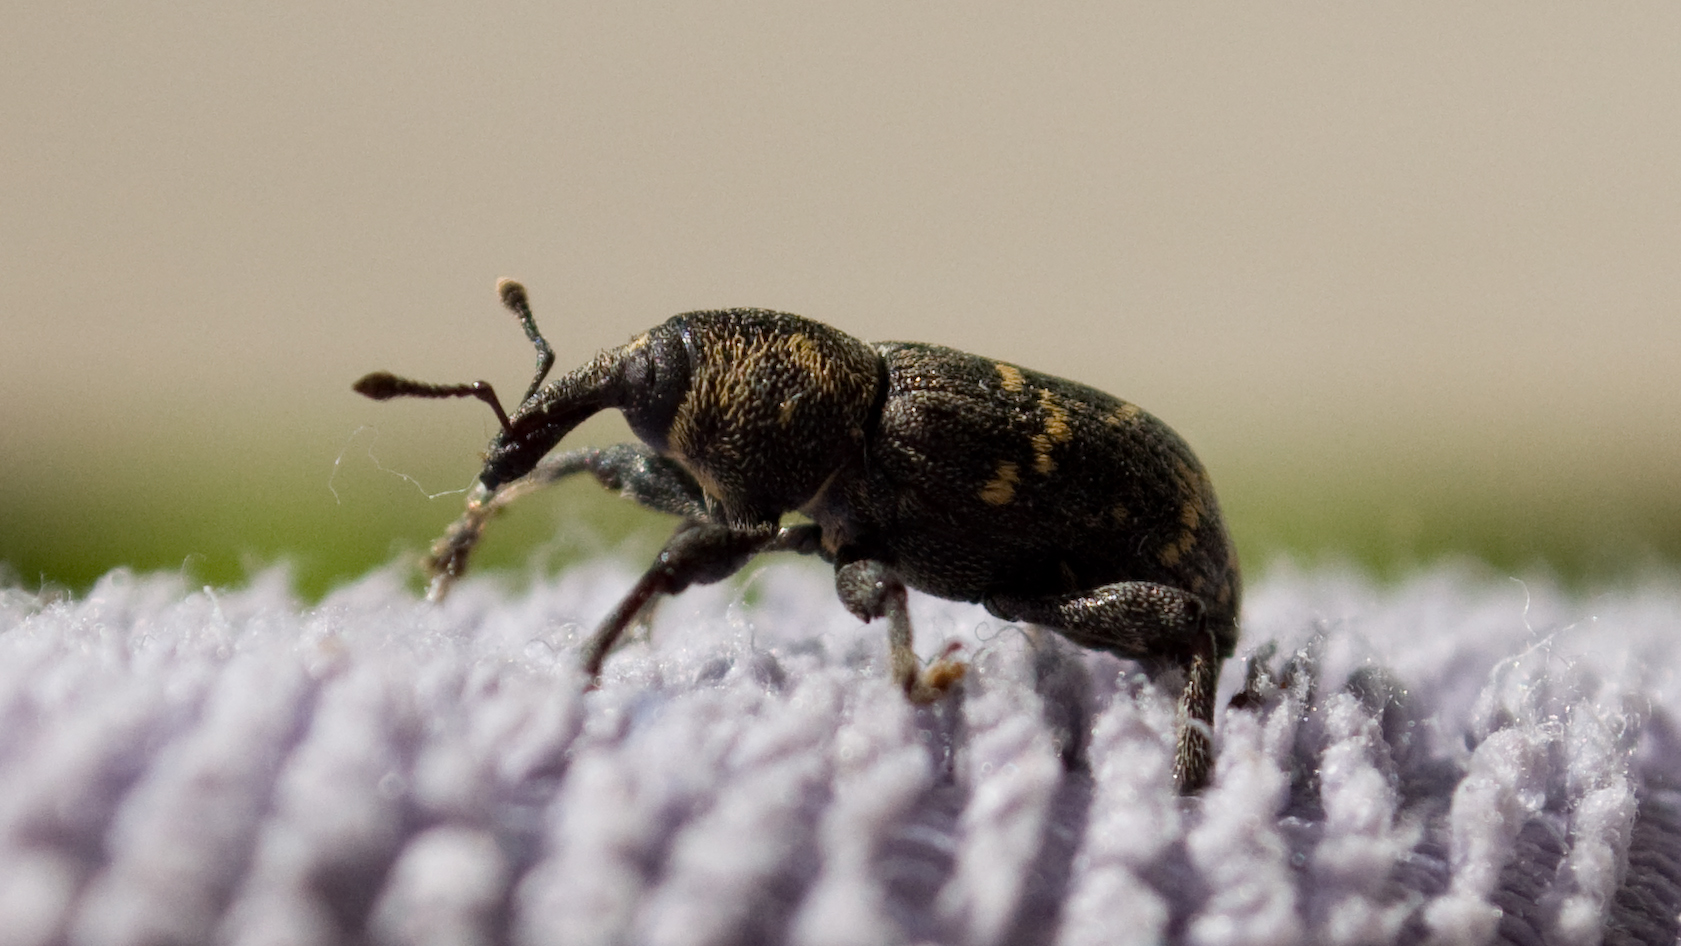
[(1124, 416), (1191, 514), (1042, 462), (1013, 380), (1175, 550), (1056, 417), (1056, 431), (1120, 513), (1192, 484), (636, 344), (1002, 488)]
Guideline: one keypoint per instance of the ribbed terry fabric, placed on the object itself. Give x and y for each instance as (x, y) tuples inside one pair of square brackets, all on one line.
[(1457, 758)]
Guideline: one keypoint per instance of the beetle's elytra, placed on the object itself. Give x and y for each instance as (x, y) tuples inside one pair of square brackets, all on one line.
[(919, 466)]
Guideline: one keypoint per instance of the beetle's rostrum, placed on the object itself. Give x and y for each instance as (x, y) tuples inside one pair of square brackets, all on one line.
[(1045, 500)]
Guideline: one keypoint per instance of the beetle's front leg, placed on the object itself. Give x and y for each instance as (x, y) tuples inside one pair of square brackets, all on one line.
[(1158, 624), (638, 473), (869, 589), (698, 553)]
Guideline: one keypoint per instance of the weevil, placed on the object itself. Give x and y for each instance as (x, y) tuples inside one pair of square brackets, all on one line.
[(1046, 501)]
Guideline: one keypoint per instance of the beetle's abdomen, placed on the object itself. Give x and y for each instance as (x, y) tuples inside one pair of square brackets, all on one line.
[(989, 479)]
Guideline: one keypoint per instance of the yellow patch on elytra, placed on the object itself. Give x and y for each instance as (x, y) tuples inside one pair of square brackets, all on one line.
[(1013, 380), (1056, 431), (1120, 513), (1056, 417), (1193, 485), (1175, 550), (1042, 462), (1001, 489), (1191, 514), (1124, 415)]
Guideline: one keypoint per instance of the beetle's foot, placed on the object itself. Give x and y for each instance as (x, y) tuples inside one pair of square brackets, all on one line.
[(438, 588), (934, 683), (447, 559), (1260, 684)]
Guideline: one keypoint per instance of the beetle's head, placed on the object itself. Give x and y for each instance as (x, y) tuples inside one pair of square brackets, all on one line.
[(646, 379)]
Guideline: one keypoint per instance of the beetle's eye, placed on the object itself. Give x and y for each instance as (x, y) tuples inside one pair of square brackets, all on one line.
[(656, 374)]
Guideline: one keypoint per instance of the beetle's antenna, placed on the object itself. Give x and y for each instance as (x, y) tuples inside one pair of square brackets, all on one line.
[(383, 386), (513, 297)]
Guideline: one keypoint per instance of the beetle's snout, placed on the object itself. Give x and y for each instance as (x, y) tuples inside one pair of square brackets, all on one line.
[(552, 413), (508, 459)]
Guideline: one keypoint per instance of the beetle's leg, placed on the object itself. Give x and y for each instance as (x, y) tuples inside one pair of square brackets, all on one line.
[(869, 589), (698, 553), (637, 472), (447, 559), (803, 539), (1158, 624)]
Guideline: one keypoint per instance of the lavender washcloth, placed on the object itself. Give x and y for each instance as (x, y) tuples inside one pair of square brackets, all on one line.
[(1457, 759)]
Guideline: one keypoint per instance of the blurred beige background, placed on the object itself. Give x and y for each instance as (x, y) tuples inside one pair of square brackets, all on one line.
[(1405, 274)]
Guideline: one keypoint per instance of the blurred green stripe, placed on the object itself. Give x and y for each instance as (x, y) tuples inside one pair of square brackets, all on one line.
[(68, 532)]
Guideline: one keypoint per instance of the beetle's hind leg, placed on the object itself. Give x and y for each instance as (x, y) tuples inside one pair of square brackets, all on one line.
[(870, 590), (638, 473), (1163, 627)]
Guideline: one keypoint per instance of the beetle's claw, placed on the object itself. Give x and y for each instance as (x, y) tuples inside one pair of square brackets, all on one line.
[(936, 682)]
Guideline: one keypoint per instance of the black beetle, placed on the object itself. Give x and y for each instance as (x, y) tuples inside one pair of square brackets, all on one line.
[(972, 479)]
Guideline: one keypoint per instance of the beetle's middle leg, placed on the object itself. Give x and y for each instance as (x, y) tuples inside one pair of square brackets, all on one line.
[(1159, 625), (869, 589), (698, 553)]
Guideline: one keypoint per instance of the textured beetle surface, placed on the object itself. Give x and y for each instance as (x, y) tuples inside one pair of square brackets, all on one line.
[(972, 479)]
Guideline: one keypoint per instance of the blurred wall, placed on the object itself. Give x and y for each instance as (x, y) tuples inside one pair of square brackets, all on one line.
[(1405, 274)]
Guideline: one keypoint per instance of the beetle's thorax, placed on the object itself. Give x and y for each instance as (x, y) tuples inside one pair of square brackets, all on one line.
[(775, 405)]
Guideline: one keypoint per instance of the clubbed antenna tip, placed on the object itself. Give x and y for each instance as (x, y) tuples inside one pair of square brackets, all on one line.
[(513, 296), (383, 386)]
